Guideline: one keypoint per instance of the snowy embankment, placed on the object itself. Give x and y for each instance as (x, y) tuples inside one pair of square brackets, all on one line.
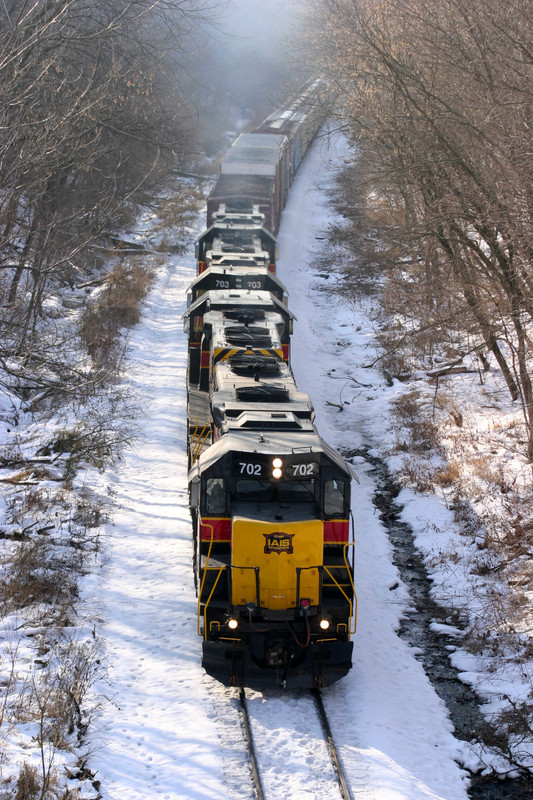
[(160, 731), (156, 734)]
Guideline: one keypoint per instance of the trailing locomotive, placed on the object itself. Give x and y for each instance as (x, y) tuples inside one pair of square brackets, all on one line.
[(269, 499), (236, 238)]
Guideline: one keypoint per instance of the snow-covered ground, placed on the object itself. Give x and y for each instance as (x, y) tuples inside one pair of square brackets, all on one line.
[(160, 732)]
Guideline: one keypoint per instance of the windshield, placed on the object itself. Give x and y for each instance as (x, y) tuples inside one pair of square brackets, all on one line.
[(249, 489), (296, 491)]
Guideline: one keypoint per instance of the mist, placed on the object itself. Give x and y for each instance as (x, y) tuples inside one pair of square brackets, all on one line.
[(248, 64)]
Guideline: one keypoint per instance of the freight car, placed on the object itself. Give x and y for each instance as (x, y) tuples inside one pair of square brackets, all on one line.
[(259, 167), (299, 120), (269, 499), (258, 174)]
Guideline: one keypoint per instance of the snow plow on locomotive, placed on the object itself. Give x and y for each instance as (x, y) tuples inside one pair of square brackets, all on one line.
[(269, 499)]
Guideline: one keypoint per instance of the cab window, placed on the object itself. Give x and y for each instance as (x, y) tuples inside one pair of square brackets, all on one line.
[(334, 492), (248, 489), (215, 496), (296, 491)]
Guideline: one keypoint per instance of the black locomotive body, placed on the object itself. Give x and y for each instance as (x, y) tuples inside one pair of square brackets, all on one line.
[(237, 238)]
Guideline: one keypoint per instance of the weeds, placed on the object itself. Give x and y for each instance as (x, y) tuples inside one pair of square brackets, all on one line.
[(492, 512), (28, 784), (116, 307), (177, 213), (38, 574), (449, 475), (53, 521), (46, 672), (421, 477), (416, 433)]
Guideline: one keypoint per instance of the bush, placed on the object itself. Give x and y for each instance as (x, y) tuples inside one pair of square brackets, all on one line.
[(116, 307), (28, 786)]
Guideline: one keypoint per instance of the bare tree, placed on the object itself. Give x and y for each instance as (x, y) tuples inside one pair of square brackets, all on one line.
[(438, 97), (92, 116)]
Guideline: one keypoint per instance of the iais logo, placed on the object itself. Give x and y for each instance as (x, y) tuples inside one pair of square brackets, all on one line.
[(278, 542)]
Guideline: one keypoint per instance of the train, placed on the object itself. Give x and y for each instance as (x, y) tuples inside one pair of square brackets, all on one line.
[(273, 534)]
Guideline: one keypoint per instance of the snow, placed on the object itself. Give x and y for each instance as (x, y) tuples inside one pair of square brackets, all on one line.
[(157, 733), (162, 725)]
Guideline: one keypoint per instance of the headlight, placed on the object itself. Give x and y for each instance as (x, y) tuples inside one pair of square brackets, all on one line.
[(232, 624), (324, 624), (277, 468)]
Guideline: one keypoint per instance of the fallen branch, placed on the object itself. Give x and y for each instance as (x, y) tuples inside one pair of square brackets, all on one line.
[(349, 378), (451, 370)]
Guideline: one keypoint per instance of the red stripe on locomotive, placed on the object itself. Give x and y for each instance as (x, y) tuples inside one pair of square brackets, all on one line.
[(336, 531), (219, 529)]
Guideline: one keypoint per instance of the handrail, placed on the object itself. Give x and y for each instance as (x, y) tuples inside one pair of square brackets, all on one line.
[(190, 439), (197, 440), (323, 568), (257, 582), (352, 606), (201, 441), (206, 570), (207, 525), (349, 569), (220, 571), (341, 590)]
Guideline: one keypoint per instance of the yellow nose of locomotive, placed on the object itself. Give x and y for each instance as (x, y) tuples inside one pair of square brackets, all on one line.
[(278, 559)]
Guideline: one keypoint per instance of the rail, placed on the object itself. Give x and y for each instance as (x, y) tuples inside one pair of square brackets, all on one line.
[(256, 775), (333, 752), (252, 747)]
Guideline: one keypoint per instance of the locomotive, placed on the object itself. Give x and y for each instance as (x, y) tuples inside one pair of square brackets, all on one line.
[(236, 238), (269, 498)]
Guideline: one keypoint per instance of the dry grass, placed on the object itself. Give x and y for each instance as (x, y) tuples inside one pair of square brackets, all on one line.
[(417, 433), (177, 214), (39, 574), (449, 476), (117, 306), (28, 783), (52, 530), (407, 407), (417, 475)]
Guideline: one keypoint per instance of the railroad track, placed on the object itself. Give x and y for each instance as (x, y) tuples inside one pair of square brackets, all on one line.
[(256, 774), (332, 747), (265, 766)]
